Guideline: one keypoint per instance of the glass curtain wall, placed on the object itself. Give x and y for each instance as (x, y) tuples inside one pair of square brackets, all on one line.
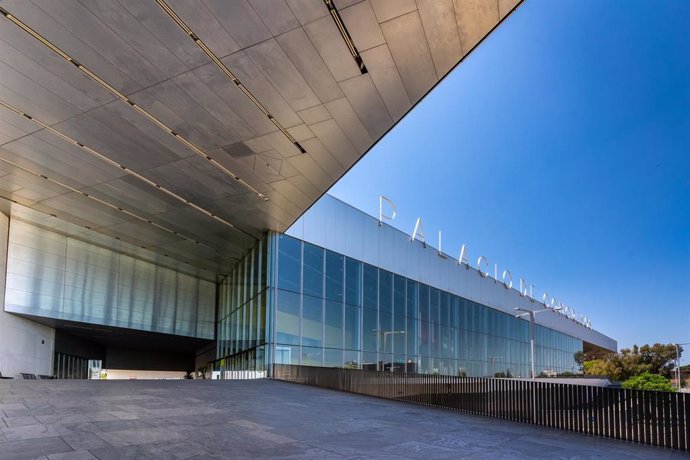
[(334, 311), (242, 314)]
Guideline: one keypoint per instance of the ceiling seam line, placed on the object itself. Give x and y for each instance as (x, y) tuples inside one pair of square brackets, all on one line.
[(95, 154), (228, 73), (105, 203), (124, 98), (345, 34)]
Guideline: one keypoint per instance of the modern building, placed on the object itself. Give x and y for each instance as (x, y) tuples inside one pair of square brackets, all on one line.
[(341, 289), (153, 153)]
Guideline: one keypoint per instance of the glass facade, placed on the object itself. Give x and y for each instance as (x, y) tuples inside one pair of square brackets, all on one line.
[(335, 311), (311, 306), (241, 325)]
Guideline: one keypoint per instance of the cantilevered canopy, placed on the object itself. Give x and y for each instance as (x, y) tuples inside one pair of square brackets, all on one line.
[(189, 127)]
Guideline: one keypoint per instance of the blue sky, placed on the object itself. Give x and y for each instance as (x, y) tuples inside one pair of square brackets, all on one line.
[(560, 149)]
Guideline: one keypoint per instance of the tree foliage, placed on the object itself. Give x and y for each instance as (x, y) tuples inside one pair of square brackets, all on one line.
[(647, 381), (654, 359)]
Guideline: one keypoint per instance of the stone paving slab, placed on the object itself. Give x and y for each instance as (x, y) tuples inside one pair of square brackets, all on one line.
[(149, 419)]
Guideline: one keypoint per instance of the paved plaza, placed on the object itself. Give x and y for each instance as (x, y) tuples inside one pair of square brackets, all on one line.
[(82, 419)]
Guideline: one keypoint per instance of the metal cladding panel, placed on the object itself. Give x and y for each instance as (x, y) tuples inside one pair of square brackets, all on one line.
[(59, 277), (334, 225), (140, 91)]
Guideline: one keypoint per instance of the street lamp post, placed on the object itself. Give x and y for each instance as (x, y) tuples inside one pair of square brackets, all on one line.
[(531, 314), (678, 374), (385, 339), (493, 365)]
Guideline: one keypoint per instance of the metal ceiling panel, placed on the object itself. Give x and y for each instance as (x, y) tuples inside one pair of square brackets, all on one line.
[(387, 80), (240, 20), (410, 50), (155, 21), (97, 33), (506, 6), (145, 44), (176, 129), (367, 103), (78, 96), (62, 37), (172, 105), (475, 19), (335, 140), (119, 140), (324, 158), (195, 179), (314, 114), (14, 40), (19, 91), (13, 127), (25, 187), (308, 62), (82, 210), (361, 23), (389, 9), (247, 71), (228, 95), (130, 193), (54, 158), (324, 34), (349, 122), (270, 58), (438, 19), (307, 11), (276, 15)]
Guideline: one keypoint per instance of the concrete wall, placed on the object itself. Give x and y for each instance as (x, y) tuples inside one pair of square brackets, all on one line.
[(25, 346), (337, 226)]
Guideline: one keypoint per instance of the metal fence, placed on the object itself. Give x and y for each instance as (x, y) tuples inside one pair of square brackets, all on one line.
[(658, 418)]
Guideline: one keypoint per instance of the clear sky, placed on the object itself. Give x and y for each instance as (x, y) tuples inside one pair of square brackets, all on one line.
[(560, 149)]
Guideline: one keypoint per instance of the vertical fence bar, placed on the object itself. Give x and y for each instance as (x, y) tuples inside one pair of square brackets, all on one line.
[(649, 417), (666, 398), (686, 419), (682, 420)]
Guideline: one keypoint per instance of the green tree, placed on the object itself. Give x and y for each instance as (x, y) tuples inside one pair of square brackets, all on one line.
[(596, 367), (629, 362), (647, 381)]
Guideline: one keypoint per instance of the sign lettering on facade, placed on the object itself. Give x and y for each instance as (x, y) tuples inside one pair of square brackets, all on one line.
[(482, 266)]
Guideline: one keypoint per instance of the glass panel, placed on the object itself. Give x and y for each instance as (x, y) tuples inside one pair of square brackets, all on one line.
[(399, 319), (312, 356), (334, 324), (286, 354), (424, 302), (353, 282), (352, 327), (434, 306), (369, 330), (370, 287), (312, 321), (313, 270), (351, 359), (289, 263), (287, 318), (332, 357), (335, 276), (369, 361), (385, 291)]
